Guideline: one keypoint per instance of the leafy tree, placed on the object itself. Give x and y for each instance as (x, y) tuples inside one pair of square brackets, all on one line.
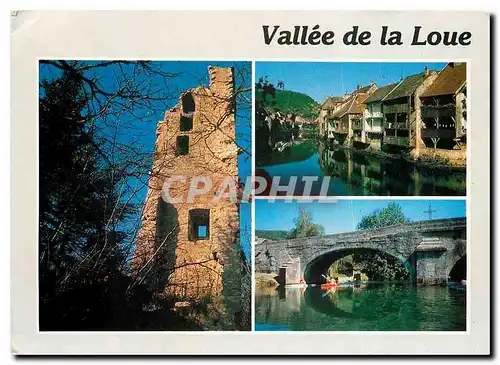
[(389, 216), (265, 88), (377, 265), (304, 226), (267, 91), (290, 102)]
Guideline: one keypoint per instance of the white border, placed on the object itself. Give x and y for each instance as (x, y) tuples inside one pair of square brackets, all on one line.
[(110, 35), (253, 197)]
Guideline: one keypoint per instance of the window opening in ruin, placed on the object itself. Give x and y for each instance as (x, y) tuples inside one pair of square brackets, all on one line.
[(182, 145), (188, 104), (202, 231), (199, 224), (186, 123), (188, 109)]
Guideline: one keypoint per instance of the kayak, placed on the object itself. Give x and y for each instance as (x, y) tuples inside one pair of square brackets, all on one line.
[(328, 286)]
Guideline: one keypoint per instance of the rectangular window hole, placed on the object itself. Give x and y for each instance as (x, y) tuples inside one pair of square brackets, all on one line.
[(199, 224), (182, 145), (186, 123)]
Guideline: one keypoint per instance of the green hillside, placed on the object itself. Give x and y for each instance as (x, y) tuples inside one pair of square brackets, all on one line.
[(272, 235), (291, 102)]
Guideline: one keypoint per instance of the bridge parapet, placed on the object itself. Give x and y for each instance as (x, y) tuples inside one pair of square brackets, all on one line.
[(436, 225), (401, 241)]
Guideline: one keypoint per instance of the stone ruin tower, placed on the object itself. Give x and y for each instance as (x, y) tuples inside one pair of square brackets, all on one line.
[(181, 245)]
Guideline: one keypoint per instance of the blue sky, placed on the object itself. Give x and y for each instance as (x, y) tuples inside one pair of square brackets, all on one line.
[(190, 74), (343, 215), (322, 79)]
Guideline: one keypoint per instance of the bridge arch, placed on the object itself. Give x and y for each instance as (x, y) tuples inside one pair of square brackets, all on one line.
[(458, 270), (428, 249), (315, 269)]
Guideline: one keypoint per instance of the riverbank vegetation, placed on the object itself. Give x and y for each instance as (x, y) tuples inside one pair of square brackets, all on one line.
[(285, 101), (271, 234), (375, 265), (305, 227)]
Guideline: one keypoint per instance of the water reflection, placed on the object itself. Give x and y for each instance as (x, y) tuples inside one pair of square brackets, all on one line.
[(365, 307), (353, 173)]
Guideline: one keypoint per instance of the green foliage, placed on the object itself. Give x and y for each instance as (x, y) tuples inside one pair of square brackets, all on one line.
[(381, 266), (272, 234), (304, 226), (389, 216), (289, 102), (342, 267), (267, 91), (378, 265)]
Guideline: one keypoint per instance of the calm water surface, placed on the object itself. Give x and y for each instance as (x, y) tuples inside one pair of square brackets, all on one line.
[(364, 307), (357, 174)]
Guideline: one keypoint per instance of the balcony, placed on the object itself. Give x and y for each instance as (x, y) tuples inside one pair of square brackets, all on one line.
[(396, 108), (374, 129), (374, 114), (398, 141), (397, 126), (438, 133), (433, 112)]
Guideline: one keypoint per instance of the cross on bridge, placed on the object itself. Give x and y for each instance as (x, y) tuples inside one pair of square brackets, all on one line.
[(430, 211)]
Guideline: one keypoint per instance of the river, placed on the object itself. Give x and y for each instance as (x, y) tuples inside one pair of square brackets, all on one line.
[(362, 307), (354, 173)]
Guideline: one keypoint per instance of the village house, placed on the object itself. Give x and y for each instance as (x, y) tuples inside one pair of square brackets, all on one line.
[(401, 110), (425, 113), (443, 107), (345, 123), (372, 122), (327, 110)]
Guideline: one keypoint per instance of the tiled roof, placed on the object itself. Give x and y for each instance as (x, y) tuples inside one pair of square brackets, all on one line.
[(381, 93), (408, 86), (331, 101), (363, 89), (448, 81), (352, 106)]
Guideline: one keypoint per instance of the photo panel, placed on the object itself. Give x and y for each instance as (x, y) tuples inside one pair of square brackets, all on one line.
[(142, 225), (361, 128), (240, 186), (361, 265)]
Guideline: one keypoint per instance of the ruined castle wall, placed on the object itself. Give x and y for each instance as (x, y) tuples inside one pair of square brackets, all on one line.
[(195, 140)]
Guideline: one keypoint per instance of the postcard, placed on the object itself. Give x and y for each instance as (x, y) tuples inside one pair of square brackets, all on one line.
[(250, 183)]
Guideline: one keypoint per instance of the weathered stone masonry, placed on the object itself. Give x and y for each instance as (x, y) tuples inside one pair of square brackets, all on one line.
[(429, 249), (181, 244)]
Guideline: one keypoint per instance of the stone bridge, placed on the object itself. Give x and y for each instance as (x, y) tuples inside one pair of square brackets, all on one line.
[(428, 249)]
